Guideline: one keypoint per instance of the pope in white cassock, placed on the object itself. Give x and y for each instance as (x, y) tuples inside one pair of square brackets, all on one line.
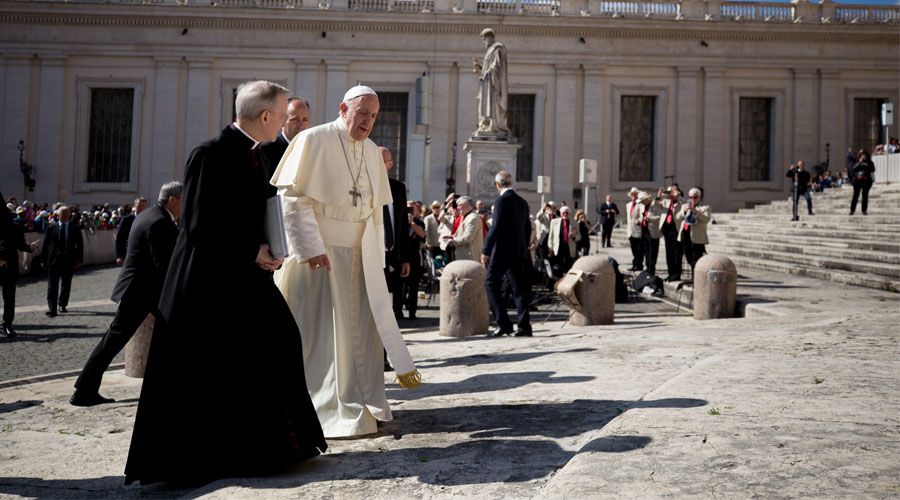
[(333, 186)]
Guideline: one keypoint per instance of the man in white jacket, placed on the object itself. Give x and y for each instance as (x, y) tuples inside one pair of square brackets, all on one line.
[(469, 237)]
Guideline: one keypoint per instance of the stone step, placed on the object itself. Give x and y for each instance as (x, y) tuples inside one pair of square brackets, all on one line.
[(810, 224), (832, 242), (779, 217), (805, 248), (849, 278), (885, 208), (888, 271)]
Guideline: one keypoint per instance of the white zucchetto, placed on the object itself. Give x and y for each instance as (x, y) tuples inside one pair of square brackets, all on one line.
[(359, 90)]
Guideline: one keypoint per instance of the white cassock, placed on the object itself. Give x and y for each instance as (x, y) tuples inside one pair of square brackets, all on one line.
[(345, 316)]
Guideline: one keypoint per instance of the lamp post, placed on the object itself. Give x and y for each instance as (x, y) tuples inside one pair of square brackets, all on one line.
[(26, 168)]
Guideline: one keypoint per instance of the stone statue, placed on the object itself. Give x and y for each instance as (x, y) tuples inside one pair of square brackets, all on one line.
[(493, 92)]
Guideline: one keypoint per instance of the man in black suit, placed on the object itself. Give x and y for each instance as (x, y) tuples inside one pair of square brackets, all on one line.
[(506, 250), (608, 212), (62, 254), (137, 289), (124, 230), (297, 121), (12, 241), (396, 237)]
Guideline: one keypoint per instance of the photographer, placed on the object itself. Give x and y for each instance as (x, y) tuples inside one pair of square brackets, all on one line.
[(862, 176), (608, 212), (692, 220), (799, 188)]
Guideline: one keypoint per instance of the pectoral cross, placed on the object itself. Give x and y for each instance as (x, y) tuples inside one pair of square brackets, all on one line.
[(356, 196)]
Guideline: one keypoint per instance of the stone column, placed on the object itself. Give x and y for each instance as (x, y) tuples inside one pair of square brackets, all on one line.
[(306, 85), (164, 106), (687, 118), (464, 306), (467, 116), (335, 88), (715, 287), (596, 293), (714, 167), (197, 108), (47, 159), (592, 127), (16, 117), (442, 130), (566, 143), (137, 349), (829, 118), (805, 123)]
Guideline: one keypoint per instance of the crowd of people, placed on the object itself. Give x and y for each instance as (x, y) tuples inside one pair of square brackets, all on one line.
[(36, 217)]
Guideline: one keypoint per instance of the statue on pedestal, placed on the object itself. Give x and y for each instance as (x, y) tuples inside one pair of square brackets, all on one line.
[(493, 91)]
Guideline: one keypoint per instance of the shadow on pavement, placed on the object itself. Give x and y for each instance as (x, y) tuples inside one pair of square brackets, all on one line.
[(481, 359), (19, 405), (488, 382)]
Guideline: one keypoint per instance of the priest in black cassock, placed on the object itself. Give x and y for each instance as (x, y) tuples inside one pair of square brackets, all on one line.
[(224, 392)]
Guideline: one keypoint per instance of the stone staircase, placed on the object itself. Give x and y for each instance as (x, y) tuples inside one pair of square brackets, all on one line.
[(831, 245)]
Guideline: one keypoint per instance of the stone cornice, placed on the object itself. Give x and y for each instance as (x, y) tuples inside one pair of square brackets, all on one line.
[(337, 21)]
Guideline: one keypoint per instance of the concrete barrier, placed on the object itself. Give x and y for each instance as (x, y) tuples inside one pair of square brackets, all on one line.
[(594, 293), (99, 248), (464, 305), (138, 347), (715, 287)]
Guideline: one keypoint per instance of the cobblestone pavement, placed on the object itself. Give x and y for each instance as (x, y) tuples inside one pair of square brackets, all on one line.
[(62, 344)]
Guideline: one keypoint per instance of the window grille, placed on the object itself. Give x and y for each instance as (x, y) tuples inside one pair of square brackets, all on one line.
[(520, 120), (636, 138), (755, 139), (109, 143)]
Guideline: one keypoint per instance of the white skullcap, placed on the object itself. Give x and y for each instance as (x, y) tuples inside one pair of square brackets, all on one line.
[(358, 91)]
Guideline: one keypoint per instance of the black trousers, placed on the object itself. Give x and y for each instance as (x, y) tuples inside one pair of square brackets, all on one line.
[(497, 268), (693, 251), (860, 187), (128, 318), (411, 289), (651, 251), (59, 285), (637, 251), (564, 259), (395, 286), (606, 233), (8, 281), (674, 254)]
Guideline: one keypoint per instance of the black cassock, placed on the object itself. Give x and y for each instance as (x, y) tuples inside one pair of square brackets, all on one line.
[(224, 392)]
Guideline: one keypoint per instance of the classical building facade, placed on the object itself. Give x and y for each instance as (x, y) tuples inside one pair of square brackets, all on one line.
[(109, 97)]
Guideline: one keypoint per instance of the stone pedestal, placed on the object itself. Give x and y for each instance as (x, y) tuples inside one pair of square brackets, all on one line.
[(596, 293), (138, 347), (464, 306), (484, 159), (715, 287)]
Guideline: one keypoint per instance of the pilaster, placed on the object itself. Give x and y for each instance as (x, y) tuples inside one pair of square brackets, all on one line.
[(805, 117), (49, 139), (715, 167), (16, 119), (306, 85), (440, 130), (566, 140), (467, 113), (197, 108), (829, 118), (335, 88), (688, 118), (164, 106)]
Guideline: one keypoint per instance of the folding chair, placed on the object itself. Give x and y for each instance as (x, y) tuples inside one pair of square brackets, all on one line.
[(430, 279)]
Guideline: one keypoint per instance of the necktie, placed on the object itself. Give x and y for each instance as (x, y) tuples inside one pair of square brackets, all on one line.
[(669, 215), (64, 236), (388, 230), (565, 226)]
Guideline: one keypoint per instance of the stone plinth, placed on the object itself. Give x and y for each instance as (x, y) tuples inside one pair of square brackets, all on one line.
[(715, 287), (138, 347), (596, 293), (484, 158), (464, 306)]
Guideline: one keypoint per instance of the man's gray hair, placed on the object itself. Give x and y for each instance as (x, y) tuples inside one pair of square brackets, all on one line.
[(173, 188), (504, 178), (255, 97), (464, 199)]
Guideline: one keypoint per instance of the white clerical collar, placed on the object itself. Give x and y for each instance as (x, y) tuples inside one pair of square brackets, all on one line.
[(505, 190), (255, 142), (284, 136)]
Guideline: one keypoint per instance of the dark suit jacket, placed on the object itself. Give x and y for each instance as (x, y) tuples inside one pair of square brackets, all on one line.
[(508, 238), (54, 253), (147, 260), (608, 218), (12, 241), (400, 253), (122, 235), (272, 152)]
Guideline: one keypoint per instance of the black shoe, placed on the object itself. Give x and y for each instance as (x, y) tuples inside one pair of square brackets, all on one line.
[(51, 314), (864, 213), (412, 316), (499, 332), (523, 333), (811, 213), (63, 309), (388, 367), (795, 219), (8, 331), (79, 399)]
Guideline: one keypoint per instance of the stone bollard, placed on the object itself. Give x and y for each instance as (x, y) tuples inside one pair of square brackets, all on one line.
[(138, 347), (715, 287), (596, 292), (464, 305)]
